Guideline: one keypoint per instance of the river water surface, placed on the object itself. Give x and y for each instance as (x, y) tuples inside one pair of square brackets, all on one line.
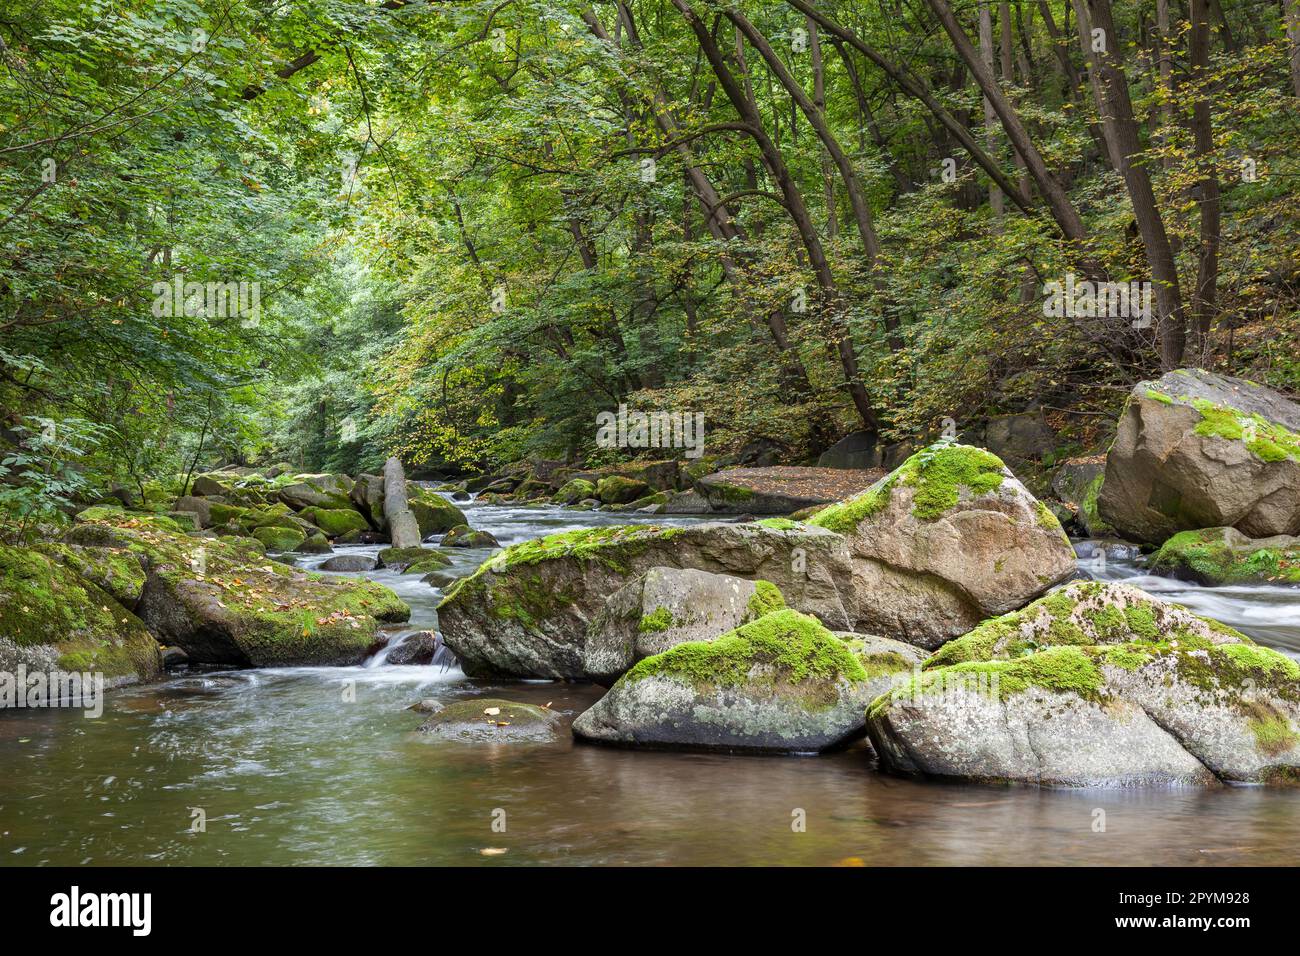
[(285, 767)]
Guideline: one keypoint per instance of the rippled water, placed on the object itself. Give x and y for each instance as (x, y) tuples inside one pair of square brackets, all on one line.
[(322, 765)]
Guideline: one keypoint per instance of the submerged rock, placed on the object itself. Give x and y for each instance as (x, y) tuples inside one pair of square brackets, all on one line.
[(525, 612), (417, 648), (1097, 685), (491, 720), (782, 683), (1199, 450), (350, 563), (947, 539)]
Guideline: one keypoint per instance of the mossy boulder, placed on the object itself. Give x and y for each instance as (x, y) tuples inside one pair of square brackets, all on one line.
[(463, 536), (224, 602), (1214, 556), (318, 491), (782, 683), (112, 569), (492, 720), (664, 607), (55, 620), (573, 491), (945, 540), (335, 522), (316, 543), (398, 559), (618, 490), (433, 561), (1198, 450), (1097, 685), (105, 514), (277, 538), (433, 513), (526, 611)]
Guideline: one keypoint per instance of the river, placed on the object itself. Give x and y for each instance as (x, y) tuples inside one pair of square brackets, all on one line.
[(322, 766)]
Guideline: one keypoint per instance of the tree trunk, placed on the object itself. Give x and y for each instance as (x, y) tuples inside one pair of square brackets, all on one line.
[(1293, 34), (795, 206), (1121, 132), (1207, 275), (1063, 211), (990, 116)]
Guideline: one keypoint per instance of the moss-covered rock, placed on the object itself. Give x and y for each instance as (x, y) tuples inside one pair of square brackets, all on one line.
[(318, 491), (112, 569), (573, 491), (526, 611), (1097, 685), (1214, 556), (334, 522), (398, 559), (432, 561), (945, 540), (1082, 614), (225, 602), (277, 538), (1198, 450), (53, 619), (433, 513), (463, 536), (780, 683), (618, 490)]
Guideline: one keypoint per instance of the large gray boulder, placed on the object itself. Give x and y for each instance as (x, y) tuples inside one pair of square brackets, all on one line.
[(1096, 685), (665, 607), (1199, 450), (526, 612), (947, 539), (782, 683)]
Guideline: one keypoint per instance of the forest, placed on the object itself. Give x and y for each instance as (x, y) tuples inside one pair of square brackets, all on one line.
[(472, 227)]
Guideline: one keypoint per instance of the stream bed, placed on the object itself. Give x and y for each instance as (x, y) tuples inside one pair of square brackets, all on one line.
[(321, 765)]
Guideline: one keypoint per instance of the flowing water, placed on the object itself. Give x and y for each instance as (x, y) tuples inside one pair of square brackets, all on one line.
[(323, 766)]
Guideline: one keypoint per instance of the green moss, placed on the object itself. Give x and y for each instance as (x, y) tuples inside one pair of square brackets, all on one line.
[(44, 603), (529, 600), (575, 490), (277, 538), (1142, 622), (778, 524), (784, 647), (608, 546), (660, 619), (1274, 734), (1061, 669), (1160, 397), (731, 494), (1271, 442), (937, 473), (336, 521), (767, 597), (1207, 556), (432, 561)]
